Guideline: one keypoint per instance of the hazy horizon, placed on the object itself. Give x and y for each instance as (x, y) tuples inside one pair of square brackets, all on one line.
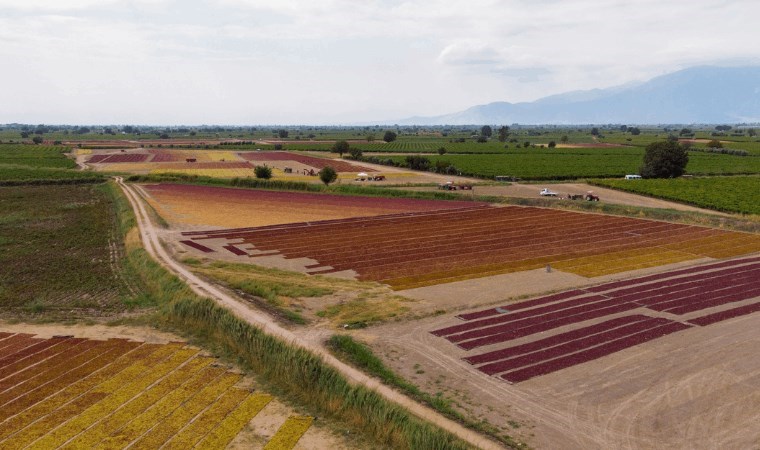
[(242, 62)]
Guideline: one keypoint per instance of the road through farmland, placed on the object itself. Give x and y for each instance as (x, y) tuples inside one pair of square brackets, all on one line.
[(150, 239)]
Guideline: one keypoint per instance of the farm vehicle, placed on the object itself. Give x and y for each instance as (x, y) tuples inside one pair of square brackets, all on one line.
[(589, 196), (366, 177), (451, 186), (546, 192)]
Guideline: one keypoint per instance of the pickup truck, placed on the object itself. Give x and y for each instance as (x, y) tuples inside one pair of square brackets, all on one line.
[(545, 192)]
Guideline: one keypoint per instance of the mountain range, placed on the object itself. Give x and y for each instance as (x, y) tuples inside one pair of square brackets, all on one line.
[(704, 94)]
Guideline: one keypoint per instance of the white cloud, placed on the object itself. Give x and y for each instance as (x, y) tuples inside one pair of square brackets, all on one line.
[(248, 61)]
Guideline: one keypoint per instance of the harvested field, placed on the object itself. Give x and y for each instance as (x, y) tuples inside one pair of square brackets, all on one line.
[(162, 156), (115, 158), (421, 249), (68, 392), (697, 296), (316, 163), (227, 207)]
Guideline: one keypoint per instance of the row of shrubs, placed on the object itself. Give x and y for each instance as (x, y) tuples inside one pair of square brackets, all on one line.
[(722, 151)]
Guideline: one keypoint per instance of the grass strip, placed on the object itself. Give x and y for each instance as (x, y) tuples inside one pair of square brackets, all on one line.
[(361, 356)]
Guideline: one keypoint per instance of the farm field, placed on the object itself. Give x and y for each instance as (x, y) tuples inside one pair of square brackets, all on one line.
[(701, 295), (421, 249), (38, 156), (25, 163), (624, 363), (221, 163), (60, 253), (66, 392), (543, 164), (592, 359), (731, 194), (228, 207)]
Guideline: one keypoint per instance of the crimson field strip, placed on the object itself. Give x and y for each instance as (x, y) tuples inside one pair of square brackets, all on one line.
[(24, 381), (690, 288), (659, 276), (573, 346), (520, 328), (605, 287), (562, 338), (99, 359), (16, 343), (677, 292), (197, 246), (317, 225), (522, 305), (234, 250), (329, 226), (506, 318), (554, 365), (34, 352), (725, 315), (732, 295)]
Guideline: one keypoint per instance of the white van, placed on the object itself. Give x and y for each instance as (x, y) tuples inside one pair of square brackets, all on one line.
[(633, 177)]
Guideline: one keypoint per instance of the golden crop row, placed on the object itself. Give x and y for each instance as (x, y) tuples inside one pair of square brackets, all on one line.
[(217, 173), (144, 376), (289, 433), (71, 409), (162, 409), (220, 436), (204, 423), (123, 415), (65, 388), (180, 417)]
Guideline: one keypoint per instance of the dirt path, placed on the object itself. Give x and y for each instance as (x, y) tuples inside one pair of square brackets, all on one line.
[(563, 189), (150, 239)]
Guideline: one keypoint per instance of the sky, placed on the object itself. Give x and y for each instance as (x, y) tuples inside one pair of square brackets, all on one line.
[(245, 62)]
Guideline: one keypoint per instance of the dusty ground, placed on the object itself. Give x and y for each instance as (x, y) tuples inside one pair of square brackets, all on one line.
[(141, 334), (694, 389), (563, 189)]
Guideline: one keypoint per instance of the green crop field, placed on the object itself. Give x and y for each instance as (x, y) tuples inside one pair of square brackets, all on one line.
[(730, 194), (35, 156), (30, 164), (543, 164), (59, 252)]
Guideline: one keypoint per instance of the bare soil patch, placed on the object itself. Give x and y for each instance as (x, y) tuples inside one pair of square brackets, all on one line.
[(698, 388)]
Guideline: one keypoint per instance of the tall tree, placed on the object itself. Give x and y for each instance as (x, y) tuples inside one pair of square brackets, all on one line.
[(340, 147), (664, 159), (503, 133)]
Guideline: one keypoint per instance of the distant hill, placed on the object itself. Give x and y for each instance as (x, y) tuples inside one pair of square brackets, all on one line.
[(696, 95)]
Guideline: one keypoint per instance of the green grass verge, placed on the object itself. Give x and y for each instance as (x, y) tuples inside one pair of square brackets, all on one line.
[(361, 356)]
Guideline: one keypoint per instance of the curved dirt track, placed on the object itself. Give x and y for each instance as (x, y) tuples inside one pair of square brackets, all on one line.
[(150, 239)]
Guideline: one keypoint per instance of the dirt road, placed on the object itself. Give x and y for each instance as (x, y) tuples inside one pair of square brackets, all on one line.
[(150, 239)]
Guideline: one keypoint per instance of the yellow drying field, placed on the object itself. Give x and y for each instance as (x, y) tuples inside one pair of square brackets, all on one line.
[(188, 205), (217, 173), (74, 393)]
